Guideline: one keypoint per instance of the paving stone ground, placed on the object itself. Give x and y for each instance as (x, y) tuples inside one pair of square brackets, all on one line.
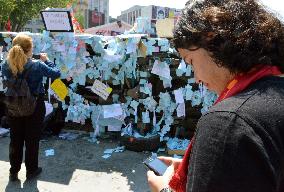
[(78, 166)]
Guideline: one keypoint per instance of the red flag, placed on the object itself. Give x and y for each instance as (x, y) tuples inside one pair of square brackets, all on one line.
[(8, 25), (76, 24)]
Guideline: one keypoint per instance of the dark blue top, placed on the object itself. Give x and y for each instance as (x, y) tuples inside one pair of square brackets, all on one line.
[(37, 70)]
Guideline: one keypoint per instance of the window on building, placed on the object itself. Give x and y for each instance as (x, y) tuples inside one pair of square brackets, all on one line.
[(129, 18)]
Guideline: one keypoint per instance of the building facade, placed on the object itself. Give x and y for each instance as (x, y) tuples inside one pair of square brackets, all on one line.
[(129, 16), (152, 12)]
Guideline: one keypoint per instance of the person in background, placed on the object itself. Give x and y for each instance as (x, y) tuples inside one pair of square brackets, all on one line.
[(26, 130), (236, 48), (118, 22)]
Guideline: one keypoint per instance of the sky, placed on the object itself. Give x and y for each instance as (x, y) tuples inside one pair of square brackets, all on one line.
[(116, 6), (275, 5)]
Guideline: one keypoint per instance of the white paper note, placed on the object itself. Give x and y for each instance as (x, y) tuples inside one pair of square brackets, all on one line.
[(101, 89), (3, 131), (178, 96), (162, 69), (181, 110), (48, 107), (114, 128), (112, 110), (1, 84)]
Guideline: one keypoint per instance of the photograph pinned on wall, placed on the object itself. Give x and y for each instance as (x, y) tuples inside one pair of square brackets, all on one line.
[(160, 13)]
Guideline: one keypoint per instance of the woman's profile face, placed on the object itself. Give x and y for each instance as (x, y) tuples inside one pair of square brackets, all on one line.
[(206, 71)]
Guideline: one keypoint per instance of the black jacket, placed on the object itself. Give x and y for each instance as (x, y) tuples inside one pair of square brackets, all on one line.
[(239, 144)]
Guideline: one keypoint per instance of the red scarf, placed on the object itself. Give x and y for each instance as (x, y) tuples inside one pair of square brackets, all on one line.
[(238, 84)]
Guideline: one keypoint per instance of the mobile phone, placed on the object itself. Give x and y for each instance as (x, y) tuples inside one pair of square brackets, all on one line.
[(36, 56), (156, 165)]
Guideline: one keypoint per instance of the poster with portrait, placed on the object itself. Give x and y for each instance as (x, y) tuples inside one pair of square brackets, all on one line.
[(161, 13)]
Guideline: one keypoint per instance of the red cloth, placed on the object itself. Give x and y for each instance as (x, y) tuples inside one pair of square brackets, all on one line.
[(8, 25), (238, 84)]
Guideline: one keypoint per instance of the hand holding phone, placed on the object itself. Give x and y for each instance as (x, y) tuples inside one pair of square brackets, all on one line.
[(36, 57), (156, 165), (43, 57)]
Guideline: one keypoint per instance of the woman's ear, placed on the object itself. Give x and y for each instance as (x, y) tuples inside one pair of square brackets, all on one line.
[(210, 35)]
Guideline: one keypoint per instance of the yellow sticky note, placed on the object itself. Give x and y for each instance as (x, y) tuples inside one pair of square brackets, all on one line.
[(109, 90), (59, 88)]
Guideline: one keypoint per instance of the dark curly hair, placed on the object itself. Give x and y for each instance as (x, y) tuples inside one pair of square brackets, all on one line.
[(240, 34)]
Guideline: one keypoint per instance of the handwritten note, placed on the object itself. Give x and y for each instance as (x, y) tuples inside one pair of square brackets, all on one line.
[(59, 88), (59, 46), (101, 89), (57, 20), (162, 69)]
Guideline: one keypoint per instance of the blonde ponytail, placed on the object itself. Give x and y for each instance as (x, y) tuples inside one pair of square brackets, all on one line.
[(18, 54), (17, 59)]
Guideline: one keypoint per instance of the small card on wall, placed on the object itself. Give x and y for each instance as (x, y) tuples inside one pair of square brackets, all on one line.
[(59, 88), (101, 89), (114, 128), (1, 84), (181, 110)]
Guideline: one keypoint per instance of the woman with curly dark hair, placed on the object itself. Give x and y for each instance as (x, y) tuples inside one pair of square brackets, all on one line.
[(236, 48)]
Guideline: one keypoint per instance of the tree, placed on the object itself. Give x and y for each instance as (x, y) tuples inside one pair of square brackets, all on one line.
[(5, 9), (80, 18), (21, 11)]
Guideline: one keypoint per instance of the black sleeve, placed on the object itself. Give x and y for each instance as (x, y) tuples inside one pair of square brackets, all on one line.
[(228, 156)]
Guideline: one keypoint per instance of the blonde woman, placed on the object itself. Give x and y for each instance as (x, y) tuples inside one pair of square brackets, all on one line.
[(26, 130)]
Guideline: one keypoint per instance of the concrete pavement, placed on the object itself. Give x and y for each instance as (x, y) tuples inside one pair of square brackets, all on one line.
[(78, 166)]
